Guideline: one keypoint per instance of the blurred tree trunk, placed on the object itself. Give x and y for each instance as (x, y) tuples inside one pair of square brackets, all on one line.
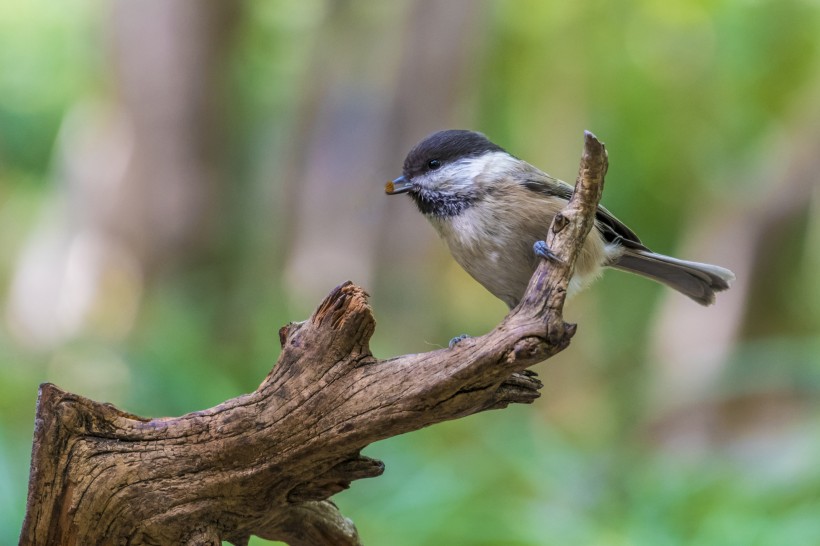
[(142, 176), (170, 59), (764, 236), (360, 123)]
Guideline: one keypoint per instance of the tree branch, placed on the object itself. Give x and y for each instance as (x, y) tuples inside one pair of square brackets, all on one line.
[(265, 463)]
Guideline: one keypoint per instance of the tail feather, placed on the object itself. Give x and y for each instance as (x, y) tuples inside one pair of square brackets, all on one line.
[(695, 280)]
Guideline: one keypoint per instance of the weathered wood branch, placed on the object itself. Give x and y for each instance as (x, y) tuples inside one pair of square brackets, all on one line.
[(265, 463)]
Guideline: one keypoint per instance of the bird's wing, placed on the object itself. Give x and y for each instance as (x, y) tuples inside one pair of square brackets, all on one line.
[(612, 229)]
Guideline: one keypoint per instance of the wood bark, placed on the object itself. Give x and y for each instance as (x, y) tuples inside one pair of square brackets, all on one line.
[(266, 463)]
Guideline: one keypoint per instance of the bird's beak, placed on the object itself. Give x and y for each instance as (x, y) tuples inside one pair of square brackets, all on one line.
[(399, 185)]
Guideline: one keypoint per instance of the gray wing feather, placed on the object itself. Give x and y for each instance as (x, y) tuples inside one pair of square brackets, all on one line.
[(612, 229)]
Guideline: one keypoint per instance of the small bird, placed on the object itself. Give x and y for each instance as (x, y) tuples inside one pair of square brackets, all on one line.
[(493, 211)]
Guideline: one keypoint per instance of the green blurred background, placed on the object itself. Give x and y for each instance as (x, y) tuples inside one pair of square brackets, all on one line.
[(179, 179)]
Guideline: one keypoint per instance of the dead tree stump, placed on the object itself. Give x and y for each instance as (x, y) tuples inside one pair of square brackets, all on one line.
[(265, 463)]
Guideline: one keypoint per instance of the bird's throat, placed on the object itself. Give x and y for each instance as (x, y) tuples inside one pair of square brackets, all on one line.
[(440, 204)]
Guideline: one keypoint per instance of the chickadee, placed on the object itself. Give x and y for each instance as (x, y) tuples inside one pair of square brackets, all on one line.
[(491, 208)]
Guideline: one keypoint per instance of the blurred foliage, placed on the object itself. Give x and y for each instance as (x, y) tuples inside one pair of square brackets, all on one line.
[(695, 100)]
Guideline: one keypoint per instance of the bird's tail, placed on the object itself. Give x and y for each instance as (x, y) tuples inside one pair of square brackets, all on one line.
[(696, 280)]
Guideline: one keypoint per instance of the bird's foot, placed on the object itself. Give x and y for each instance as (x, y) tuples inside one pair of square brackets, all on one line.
[(456, 340), (543, 251)]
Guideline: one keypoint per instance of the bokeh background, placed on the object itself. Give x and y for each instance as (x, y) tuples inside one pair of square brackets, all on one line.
[(179, 179)]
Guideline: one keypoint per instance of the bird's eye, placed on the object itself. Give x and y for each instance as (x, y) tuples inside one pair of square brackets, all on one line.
[(433, 164)]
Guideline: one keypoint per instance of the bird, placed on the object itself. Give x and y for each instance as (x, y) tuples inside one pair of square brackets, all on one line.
[(493, 210)]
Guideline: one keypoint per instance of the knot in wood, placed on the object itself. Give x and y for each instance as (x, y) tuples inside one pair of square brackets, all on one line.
[(559, 223)]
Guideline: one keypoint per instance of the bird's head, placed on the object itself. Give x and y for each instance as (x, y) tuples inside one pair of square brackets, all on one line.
[(450, 170)]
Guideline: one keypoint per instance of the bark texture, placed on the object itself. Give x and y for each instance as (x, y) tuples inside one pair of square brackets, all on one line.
[(266, 463)]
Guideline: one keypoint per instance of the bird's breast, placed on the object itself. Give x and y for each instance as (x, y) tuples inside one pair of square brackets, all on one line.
[(494, 246), (493, 241)]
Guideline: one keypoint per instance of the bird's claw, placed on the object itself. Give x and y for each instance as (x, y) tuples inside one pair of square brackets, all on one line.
[(543, 251), (456, 340)]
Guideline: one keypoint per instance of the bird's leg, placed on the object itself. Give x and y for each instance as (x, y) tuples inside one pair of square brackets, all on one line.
[(542, 250), (455, 341)]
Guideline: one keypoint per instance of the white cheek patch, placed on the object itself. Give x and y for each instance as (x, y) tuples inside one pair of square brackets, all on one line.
[(459, 176)]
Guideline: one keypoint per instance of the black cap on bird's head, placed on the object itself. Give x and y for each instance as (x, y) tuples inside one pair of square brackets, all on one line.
[(445, 147), (437, 150)]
